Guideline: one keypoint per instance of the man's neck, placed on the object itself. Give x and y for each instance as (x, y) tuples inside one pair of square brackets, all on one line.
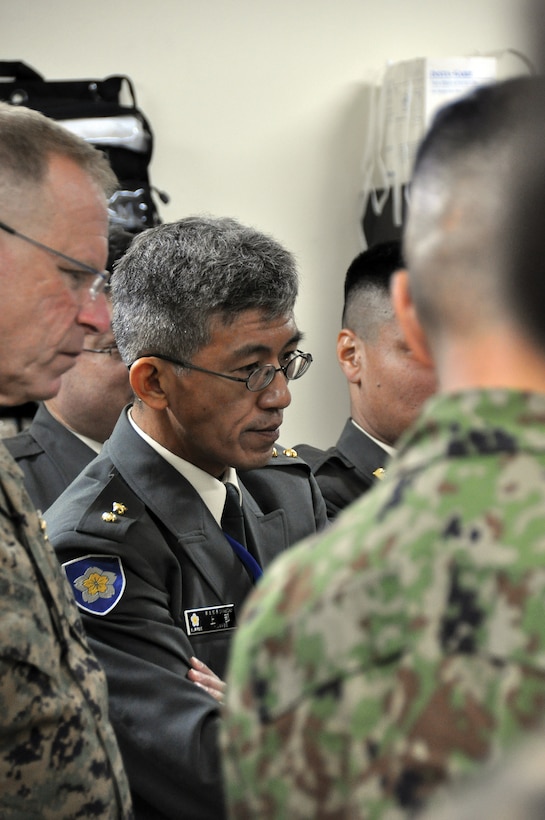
[(500, 359), (91, 442)]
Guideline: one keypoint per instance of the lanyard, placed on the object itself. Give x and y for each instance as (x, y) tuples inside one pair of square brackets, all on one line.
[(248, 560)]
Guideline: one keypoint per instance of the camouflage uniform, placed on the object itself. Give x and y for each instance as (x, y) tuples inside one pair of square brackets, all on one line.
[(513, 789), (406, 645), (58, 754)]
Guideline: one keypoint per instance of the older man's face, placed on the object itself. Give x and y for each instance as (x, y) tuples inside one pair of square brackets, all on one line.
[(220, 423), (44, 316)]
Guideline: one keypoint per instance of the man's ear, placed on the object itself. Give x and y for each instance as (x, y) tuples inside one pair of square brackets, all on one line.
[(407, 317), (149, 379), (349, 354)]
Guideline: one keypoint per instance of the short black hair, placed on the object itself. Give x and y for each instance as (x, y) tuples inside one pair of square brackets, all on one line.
[(372, 268)]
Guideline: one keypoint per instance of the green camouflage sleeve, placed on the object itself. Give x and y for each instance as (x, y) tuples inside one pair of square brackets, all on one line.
[(395, 653), (299, 717)]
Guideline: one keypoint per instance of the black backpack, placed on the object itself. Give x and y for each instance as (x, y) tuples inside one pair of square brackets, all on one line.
[(105, 113)]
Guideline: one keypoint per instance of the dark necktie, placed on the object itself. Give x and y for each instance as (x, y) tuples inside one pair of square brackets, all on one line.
[(232, 524), (232, 520)]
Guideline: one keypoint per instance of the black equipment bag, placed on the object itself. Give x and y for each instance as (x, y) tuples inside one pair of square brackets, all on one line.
[(105, 113)]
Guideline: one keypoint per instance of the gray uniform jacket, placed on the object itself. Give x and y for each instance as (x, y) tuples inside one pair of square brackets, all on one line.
[(49, 455), (175, 588), (347, 470)]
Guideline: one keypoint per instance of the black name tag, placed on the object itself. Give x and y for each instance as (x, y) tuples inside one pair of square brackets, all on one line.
[(210, 619)]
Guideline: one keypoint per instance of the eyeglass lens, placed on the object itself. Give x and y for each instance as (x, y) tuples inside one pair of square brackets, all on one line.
[(263, 376)]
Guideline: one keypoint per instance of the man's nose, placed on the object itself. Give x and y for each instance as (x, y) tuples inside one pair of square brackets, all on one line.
[(277, 393), (94, 313)]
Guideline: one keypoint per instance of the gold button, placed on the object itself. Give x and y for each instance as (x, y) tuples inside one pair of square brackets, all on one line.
[(43, 526)]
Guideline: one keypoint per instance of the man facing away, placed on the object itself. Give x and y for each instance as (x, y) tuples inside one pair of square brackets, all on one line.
[(203, 315), (387, 385), (68, 429), (58, 754), (407, 647)]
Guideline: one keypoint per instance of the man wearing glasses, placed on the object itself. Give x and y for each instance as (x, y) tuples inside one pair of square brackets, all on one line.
[(58, 753), (203, 316), (69, 429)]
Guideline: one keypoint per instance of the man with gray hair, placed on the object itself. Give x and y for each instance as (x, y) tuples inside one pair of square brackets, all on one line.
[(69, 429), (165, 533), (58, 753), (407, 647)]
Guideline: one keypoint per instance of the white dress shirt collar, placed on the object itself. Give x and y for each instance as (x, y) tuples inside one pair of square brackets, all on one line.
[(211, 490)]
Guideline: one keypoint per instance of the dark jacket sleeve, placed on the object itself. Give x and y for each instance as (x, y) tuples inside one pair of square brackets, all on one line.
[(166, 725), (159, 717)]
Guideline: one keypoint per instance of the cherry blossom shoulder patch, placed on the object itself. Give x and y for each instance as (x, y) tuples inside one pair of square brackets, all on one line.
[(97, 581)]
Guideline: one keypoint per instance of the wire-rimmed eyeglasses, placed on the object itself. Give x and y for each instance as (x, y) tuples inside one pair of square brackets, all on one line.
[(101, 278), (261, 377)]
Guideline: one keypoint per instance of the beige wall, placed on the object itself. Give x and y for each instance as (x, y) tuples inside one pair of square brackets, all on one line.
[(259, 112)]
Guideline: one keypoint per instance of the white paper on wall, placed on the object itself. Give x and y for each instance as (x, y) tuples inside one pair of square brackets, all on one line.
[(411, 93)]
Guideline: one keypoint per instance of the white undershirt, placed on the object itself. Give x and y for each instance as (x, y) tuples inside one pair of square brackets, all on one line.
[(96, 446)]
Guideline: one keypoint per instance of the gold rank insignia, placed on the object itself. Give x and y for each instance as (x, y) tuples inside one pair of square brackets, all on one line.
[(42, 525), (379, 473), (289, 452), (110, 517), (117, 509)]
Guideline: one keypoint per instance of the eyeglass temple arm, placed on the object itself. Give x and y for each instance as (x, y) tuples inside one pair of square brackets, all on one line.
[(66, 258), (7, 228), (179, 363)]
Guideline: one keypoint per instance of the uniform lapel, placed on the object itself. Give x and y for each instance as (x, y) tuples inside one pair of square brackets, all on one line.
[(177, 508), (361, 451), (266, 535)]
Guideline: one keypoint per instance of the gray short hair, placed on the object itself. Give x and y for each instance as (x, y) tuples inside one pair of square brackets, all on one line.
[(28, 139), (176, 277)]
